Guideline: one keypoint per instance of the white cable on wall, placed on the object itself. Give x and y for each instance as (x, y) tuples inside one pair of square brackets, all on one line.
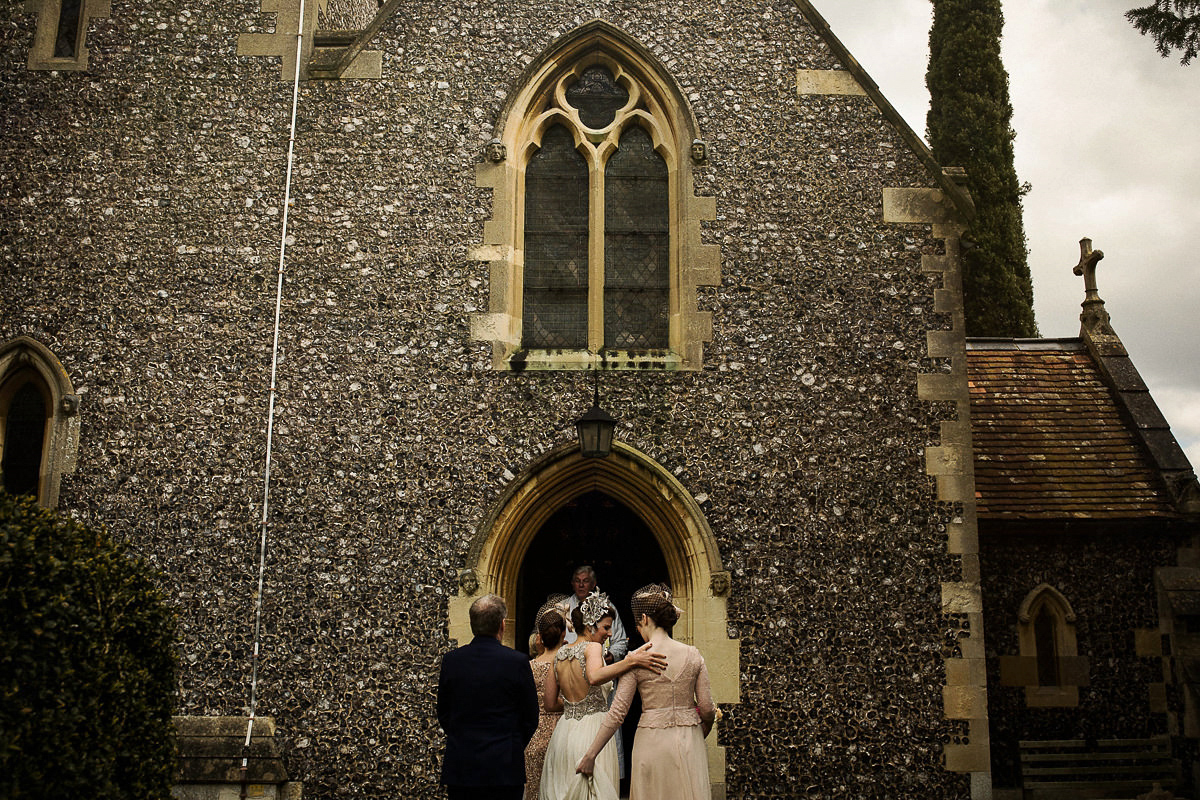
[(262, 553)]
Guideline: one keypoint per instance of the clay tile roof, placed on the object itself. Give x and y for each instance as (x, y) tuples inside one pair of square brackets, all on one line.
[(1050, 439)]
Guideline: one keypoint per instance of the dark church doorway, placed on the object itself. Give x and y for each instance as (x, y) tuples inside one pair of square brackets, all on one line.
[(596, 529)]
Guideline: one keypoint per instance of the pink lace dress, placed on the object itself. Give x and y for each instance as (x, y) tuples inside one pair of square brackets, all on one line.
[(535, 751), (669, 758)]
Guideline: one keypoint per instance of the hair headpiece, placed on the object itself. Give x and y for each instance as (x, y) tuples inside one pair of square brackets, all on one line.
[(556, 603), (650, 598), (595, 607)]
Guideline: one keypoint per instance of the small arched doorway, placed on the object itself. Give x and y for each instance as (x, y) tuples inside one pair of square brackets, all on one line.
[(496, 560)]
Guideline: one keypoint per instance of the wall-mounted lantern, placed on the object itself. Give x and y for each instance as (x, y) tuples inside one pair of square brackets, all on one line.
[(595, 428)]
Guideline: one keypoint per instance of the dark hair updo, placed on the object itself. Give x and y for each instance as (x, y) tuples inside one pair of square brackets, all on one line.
[(551, 626)]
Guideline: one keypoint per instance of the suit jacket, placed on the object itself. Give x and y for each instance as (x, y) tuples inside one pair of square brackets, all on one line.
[(488, 707)]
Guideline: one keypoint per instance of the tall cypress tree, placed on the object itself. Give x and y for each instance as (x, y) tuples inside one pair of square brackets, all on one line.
[(970, 125)]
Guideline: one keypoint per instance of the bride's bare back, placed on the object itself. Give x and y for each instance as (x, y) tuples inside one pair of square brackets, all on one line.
[(571, 681)]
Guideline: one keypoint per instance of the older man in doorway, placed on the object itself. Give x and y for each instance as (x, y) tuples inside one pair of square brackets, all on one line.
[(583, 581)]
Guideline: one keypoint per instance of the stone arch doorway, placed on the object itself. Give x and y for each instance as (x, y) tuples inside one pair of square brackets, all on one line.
[(673, 518)]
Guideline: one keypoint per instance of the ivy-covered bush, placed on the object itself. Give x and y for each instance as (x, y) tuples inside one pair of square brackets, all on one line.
[(87, 666)]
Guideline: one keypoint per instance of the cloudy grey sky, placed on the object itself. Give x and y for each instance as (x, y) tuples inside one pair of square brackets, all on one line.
[(1108, 134)]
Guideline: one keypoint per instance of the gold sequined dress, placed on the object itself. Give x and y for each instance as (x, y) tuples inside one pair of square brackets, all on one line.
[(535, 751)]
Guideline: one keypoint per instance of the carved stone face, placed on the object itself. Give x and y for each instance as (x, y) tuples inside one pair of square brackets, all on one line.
[(699, 151), (495, 151), (720, 583), (468, 582)]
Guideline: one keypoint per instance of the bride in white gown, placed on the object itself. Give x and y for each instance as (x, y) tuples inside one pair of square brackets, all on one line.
[(576, 686)]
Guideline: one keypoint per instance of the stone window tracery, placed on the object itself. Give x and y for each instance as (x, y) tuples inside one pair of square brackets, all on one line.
[(594, 244), (597, 229)]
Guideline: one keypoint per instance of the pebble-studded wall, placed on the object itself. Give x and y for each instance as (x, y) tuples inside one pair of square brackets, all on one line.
[(141, 223), (348, 14)]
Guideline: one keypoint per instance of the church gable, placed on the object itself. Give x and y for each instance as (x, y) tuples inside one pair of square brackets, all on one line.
[(795, 453)]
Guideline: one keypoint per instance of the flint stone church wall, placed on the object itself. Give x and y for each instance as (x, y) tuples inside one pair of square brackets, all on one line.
[(141, 223)]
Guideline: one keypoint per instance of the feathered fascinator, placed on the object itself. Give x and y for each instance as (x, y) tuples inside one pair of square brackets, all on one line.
[(595, 607), (649, 599)]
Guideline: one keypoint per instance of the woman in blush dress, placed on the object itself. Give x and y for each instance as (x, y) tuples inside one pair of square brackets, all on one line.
[(549, 627), (669, 759), (575, 685)]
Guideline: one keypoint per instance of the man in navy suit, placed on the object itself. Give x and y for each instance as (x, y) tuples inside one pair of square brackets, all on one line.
[(487, 705)]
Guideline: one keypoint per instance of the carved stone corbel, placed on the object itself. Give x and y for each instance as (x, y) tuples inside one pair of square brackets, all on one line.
[(468, 582)]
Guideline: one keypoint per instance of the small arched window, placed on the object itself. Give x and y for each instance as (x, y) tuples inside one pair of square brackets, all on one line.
[(1049, 666), (1045, 637), (39, 428), (59, 40), (66, 40), (595, 237)]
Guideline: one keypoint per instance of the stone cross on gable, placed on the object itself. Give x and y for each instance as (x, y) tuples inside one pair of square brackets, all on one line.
[(1088, 259), (1094, 318)]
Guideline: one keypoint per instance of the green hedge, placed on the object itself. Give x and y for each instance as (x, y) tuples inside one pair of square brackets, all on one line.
[(87, 665)]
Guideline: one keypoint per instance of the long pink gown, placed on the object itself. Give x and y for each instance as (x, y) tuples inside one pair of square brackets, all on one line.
[(669, 760)]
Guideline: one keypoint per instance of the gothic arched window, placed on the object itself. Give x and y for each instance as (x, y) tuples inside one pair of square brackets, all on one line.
[(597, 231), (39, 429), (595, 237), (1045, 638), (24, 419)]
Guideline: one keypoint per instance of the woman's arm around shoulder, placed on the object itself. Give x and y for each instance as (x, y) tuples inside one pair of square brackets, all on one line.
[(598, 672)]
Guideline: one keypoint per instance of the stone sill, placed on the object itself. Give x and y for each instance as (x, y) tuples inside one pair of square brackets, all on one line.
[(605, 361)]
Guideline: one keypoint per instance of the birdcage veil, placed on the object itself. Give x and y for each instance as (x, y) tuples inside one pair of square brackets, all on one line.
[(652, 598), (555, 607)]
